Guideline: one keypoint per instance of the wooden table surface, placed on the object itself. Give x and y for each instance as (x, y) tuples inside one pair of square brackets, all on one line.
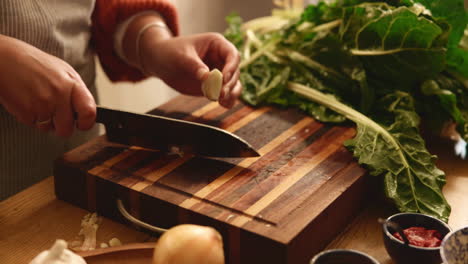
[(33, 219)]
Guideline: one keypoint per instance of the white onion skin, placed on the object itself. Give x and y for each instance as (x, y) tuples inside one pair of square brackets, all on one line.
[(189, 244)]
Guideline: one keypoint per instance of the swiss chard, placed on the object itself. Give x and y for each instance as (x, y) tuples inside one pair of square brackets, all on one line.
[(395, 149), (383, 65)]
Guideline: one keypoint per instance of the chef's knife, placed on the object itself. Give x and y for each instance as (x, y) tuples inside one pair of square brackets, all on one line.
[(171, 135)]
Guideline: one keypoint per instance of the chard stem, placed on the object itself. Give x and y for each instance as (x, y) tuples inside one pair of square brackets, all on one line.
[(355, 116), (247, 49), (264, 50), (460, 78), (296, 56), (259, 44), (253, 57), (322, 27), (359, 52), (265, 24), (350, 113)]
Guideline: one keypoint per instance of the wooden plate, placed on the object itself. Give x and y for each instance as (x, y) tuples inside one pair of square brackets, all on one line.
[(138, 253)]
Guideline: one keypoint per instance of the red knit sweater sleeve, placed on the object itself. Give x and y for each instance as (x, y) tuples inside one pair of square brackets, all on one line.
[(107, 15)]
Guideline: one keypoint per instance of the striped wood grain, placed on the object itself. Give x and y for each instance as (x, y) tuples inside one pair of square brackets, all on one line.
[(279, 196)]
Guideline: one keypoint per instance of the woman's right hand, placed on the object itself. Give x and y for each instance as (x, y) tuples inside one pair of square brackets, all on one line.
[(43, 91)]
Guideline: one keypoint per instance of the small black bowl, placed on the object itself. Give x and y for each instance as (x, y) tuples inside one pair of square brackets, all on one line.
[(342, 256), (409, 254)]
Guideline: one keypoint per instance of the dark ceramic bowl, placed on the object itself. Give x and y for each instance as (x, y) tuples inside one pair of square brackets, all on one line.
[(343, 256), (409, 254), (454, 248)]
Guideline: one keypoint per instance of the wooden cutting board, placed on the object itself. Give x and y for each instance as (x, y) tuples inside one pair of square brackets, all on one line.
[(283, 207)]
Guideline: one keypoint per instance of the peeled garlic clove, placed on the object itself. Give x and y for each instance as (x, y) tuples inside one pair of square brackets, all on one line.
[(114, 242), (104, 245), (211, 86)]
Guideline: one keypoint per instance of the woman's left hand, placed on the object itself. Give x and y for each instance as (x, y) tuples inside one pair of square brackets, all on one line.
[(184, 62)]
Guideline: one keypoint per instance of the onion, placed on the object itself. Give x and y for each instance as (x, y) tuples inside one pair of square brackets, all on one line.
[(189, 244)]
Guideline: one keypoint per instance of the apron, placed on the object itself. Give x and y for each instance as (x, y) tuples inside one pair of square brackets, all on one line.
[(61, 28)]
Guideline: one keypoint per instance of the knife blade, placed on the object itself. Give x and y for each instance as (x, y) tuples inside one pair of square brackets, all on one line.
[(169, 134)]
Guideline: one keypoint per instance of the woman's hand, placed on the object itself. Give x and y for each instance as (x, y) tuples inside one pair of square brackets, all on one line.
[(184, 62), (43, 91)]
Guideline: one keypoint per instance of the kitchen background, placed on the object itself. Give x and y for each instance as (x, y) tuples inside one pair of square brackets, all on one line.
[(196, 16)]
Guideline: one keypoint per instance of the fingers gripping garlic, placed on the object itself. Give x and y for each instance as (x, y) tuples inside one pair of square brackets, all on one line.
[(211, 86), (58, 254), (189, 244)]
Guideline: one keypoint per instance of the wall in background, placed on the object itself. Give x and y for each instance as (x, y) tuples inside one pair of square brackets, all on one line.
[(196, 16)]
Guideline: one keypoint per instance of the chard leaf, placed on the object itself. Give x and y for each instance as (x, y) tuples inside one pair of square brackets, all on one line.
[(367, 91), (395, 44), (410, 176), (320, 13), (446, 98), (457, 60), (456, 85), (319, 112), (327, 66), (453, 13), (463, 130), (265, 83), (395, 149), (233, 32)]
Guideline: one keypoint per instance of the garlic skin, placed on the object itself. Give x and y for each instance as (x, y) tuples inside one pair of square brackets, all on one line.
[(58, 254), (189, 244), (89, 227)]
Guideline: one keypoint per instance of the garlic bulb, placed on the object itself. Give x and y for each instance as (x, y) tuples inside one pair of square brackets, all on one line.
[(189, 244), (58, 254)]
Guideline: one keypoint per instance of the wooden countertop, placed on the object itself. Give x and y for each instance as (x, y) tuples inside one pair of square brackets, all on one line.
[(33, 219)]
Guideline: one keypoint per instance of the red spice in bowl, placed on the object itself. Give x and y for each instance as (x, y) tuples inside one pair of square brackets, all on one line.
[(421, 237), (409, 254)]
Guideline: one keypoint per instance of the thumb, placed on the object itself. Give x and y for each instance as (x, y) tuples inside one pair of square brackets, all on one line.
[(198, 69)]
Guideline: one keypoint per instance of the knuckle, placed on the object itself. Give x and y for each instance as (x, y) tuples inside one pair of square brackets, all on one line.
[(73, 76), (216, 36), (87, 113), (60, 87), (64, 84), (44, 99), (86, 119)]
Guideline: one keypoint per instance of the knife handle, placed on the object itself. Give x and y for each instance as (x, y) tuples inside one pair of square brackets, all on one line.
[(107, 116)]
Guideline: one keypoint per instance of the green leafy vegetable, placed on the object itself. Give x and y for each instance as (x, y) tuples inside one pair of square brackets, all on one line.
[(383, 65), (233, 32), (388, 36), (395, 150)]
